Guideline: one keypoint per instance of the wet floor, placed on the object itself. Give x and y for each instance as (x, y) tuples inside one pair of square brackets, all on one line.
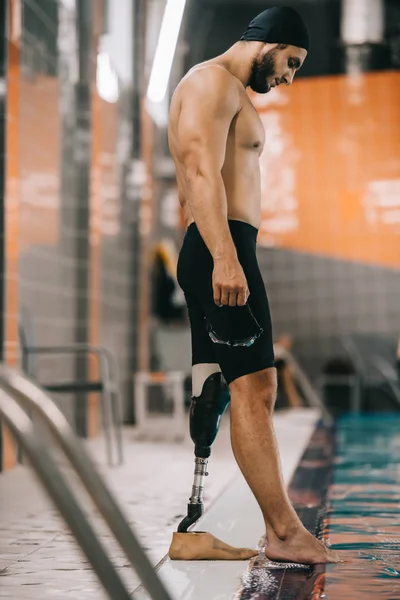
[(346, 490), (264, 580), (363, 518)]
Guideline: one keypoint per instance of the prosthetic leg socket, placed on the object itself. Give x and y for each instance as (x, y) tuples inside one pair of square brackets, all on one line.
[(206, 413)]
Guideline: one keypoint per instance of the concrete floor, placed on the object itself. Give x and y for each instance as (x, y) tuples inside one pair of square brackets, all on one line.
[(40, 559)]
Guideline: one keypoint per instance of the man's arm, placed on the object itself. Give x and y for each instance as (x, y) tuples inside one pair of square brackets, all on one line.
[(210, 101)]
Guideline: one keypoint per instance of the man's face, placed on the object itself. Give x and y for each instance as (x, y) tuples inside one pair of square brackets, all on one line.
[(274, 66)]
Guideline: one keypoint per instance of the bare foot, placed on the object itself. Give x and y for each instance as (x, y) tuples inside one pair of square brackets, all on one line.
[(204, 546), (298, 547)]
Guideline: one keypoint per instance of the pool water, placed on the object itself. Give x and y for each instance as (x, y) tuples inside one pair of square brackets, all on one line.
[(363, 511)]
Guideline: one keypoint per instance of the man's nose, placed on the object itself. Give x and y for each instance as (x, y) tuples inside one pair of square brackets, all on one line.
[(288, 78)]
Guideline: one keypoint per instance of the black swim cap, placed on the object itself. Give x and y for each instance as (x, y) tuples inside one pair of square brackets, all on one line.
[(278, 25)]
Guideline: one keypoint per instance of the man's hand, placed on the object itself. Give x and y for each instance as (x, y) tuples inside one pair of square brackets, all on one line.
[(229, 283)]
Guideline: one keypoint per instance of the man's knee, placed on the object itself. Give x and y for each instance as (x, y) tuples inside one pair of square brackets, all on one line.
[(256, 388)]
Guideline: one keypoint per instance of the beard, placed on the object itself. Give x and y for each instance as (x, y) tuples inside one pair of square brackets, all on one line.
[(261, 69)]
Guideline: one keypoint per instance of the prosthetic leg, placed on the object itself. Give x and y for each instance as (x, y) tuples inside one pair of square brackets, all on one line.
[(206, 410)]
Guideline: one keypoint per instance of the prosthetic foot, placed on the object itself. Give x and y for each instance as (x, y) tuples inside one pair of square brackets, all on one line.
[(206, 410), (204, 546)]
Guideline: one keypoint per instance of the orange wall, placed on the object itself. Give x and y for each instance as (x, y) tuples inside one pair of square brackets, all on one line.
[(40, 152), (331, 167), (11, 207)]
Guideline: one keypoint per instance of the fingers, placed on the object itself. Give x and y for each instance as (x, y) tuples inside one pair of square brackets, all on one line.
[(225, 296), (217, 294), (242, 297), (232, 301), (229, 284)]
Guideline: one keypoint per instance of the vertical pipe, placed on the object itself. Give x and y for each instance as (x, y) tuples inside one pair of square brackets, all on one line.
[(82, 176), (94, 292), (133, 190), (146, 213), (362, 33)]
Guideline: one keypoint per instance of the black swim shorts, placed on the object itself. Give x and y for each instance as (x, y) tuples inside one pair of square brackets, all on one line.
[(195, 268)]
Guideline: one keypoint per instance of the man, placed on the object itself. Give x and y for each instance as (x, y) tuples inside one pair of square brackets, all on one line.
[(216, 138)]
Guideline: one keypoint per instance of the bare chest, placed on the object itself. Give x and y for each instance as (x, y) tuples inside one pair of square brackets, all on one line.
[(247, 130)]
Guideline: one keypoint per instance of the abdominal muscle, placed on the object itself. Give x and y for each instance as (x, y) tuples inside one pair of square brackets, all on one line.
[(241, 177), (242, 185)]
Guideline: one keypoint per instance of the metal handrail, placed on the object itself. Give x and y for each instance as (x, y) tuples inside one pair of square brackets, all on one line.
[(354, 355), (305, 384), (109, 368), (33, 398), (380, 363), (59, 491), (389, 374)]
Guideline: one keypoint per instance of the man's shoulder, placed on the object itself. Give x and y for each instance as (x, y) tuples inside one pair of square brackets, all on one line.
[(207, 78)]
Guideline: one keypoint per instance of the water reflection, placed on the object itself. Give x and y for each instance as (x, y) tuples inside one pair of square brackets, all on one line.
[(363, 519)]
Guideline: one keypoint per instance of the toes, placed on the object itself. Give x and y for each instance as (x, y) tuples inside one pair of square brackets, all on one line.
[(333, 557)]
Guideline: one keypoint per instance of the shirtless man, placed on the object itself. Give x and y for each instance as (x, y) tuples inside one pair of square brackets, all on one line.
[(216, 138)]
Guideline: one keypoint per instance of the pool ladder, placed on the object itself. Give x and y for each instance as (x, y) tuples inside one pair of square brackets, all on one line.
[(310, 393), (18, 397)]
